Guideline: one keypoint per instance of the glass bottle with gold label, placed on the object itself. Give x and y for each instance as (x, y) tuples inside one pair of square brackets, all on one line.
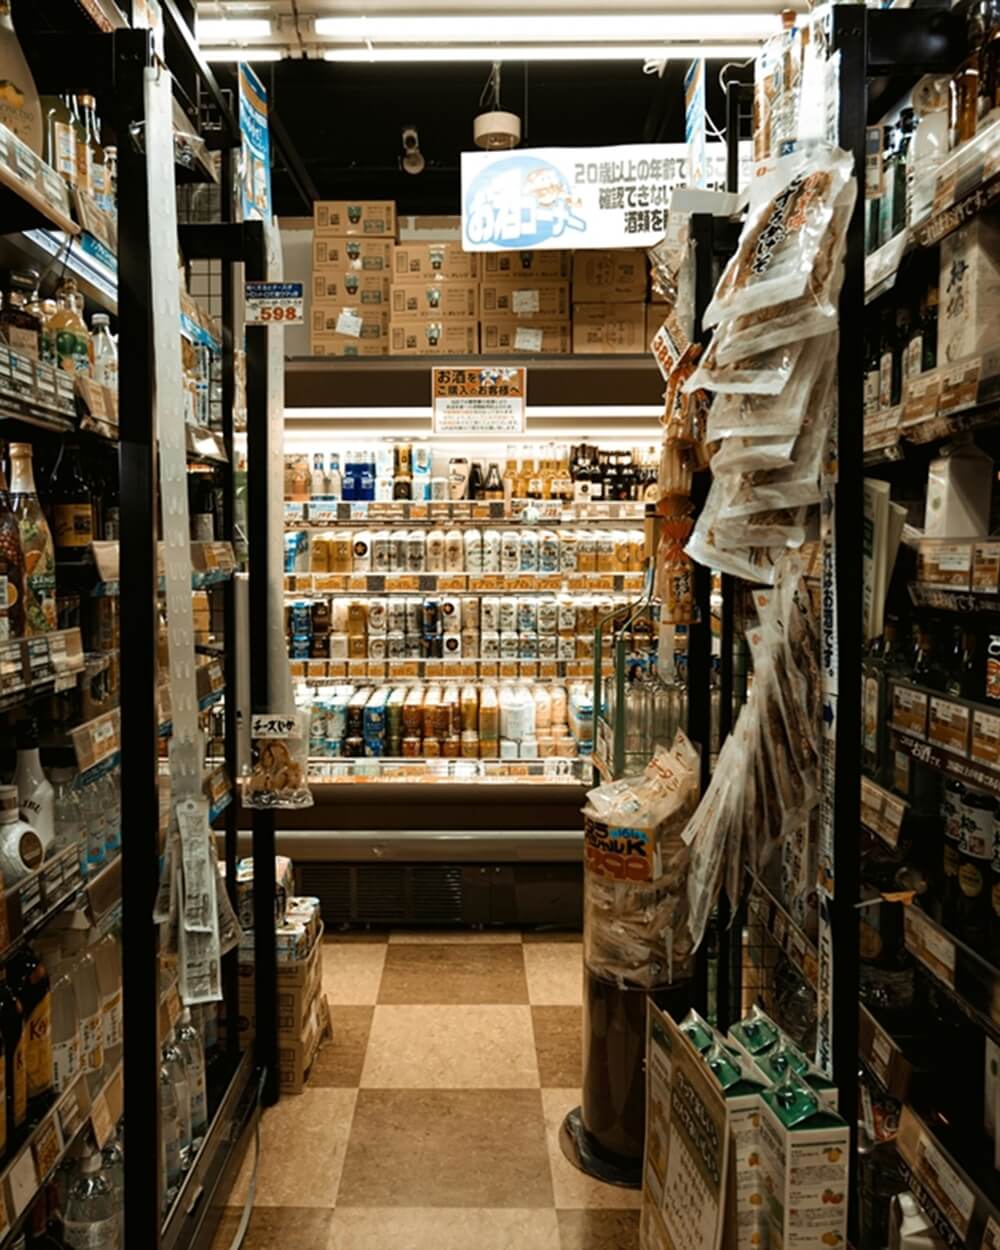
[(36, 543), (20, 107), (83, 142), (19, 326), (11, 569), (29, 980), (69, 330), (965, 80), (94, 156), (72, 510)]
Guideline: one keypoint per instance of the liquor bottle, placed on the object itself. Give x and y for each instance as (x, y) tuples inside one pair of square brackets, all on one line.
[(598, 474), (67, 819), (15, 1064), (492, 484), (67, 1045), (951, 839), (21, 849), (71, 501), (83, 142), (965, 80), (402, 487), (562, 479), (926, 671), (36, 543), (90, 1221), (885, 204), (929, 329), (88, 997), (41, 310), (874, 145), (28, 979), (170, 1143), (173, 1061), (900, 339), (21, 328), (190, 1045), (60, 138), (334, 480), (34, 790), (511, 474), (111, 510), (72, 342), (872, 400), (20, 107), (901, 170), (989, 66), (534, 476), (11, 568), (476, 480), (103, 352)]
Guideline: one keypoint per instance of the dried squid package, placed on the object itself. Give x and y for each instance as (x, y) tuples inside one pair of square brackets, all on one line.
[(783, 234), (279, 760), (762, 415), (756, 564), (674, 474), (766, 373), (746, 455), (782, 527)]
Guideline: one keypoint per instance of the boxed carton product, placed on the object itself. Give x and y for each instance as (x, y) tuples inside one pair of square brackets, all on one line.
[(511, 334), (609, 329), (370, 290), (296, 1058), (369, 218), (298, 983), (347, 345), (547, 264), (959, 487), (537, 299), (969, 290), (352, 255), (420, 261), (655, 317), (436, 297), (283, 890), (325, 318), (617, 275), (424, 336)]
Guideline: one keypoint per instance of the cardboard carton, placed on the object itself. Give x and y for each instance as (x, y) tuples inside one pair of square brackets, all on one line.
[(324, 317), (423, 261), (617, 275), (512, 334), (537, 299), (425, 336), (370, 290), (656, 314), (436, 298), (969, 290), (545, 264), (298, 983), (609, 329), (346, 345), (368, 218), (295, 1059), (352, 255)]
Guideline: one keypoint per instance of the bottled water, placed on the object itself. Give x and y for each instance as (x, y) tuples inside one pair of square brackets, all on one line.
[(190, 1045), (109, 796), (88, 997), (169, 1136), (173, 1061), (90, 1221), (94, 824), (108, 957), (67, 1044), (114, 1168), (68, 818)]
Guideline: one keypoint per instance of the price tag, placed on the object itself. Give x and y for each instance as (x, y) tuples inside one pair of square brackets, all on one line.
[(933, 949), (47, 1146), (528, 339), (881, 1054), (24, 1180), (101, 1120), (276, 303), (959, 385)]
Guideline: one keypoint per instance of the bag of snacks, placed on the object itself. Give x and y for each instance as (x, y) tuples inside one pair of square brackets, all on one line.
[(752, 415), (278, 761)]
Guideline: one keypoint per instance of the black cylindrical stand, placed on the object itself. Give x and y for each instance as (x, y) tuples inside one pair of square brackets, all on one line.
[(604, 1135)]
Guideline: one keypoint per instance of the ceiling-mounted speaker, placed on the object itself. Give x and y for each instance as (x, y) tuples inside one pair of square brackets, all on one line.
[(497, 130)]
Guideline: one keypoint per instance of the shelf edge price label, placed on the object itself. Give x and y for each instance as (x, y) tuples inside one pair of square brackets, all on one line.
[(274, 303)]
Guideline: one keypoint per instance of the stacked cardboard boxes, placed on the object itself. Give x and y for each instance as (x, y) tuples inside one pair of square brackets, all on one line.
[(352, 277), (609, 301), (434, 300), (525, 302)]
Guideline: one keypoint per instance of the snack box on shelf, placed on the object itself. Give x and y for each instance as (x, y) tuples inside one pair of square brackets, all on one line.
[(616, 275), (369, 290), (432, 337)]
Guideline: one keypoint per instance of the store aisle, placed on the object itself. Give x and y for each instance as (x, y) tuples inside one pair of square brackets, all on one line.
[(431, 1121)]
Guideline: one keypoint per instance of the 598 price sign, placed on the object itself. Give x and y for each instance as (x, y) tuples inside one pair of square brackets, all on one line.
[(274, 303)]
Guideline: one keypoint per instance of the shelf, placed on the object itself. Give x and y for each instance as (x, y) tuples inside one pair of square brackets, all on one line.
[(32, 668), (80, 257), (882, 266), (50, 1141), (952, 600), (971, 981), (783, 931), (968, 181), (212, 564), (561, 770), (961, 1202), (300, 585), (205, 446), (882, 813), (883, 1056), (329, 383), (301, 514), (322, 671)]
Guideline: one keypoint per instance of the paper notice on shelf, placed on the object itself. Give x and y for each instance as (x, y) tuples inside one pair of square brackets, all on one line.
[(486, 399), (528, 339), (937, 1185), (349, 323)]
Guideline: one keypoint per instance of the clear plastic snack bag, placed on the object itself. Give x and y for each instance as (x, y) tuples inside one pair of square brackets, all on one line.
[(755, 564), (765, 373), (765, 415), (784, 231), (279, 760)]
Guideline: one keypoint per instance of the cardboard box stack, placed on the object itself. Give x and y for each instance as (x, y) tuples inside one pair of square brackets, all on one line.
[(524, 301), (302, 1009), (609, 301), (434, 300), (352, 277)]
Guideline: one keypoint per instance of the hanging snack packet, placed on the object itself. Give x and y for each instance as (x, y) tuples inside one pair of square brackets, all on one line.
[(766, 373), (762, 415), (753, 564), (783, 233), (674, 573)]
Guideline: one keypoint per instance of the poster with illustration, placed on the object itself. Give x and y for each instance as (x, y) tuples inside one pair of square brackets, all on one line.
[(256, 147)]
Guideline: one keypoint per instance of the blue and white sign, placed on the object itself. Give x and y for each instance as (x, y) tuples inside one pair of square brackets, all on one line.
[(571, 197), (256, 147), (274, 303)]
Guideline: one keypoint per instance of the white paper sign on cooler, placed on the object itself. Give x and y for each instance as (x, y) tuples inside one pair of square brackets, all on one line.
[(274, 303)]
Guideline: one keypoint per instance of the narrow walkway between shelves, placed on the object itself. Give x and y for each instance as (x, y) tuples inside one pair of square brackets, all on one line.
[(431, 1121)]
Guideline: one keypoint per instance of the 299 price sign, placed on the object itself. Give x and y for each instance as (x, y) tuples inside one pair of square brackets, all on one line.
[(274, 303)]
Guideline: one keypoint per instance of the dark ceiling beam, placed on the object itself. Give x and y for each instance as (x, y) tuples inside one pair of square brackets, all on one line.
[(292, 161)]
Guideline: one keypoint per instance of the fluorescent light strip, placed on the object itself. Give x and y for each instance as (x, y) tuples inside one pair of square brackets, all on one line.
[(546, 52), (209, 29), (243, 54), (550, 28), (535, 412)]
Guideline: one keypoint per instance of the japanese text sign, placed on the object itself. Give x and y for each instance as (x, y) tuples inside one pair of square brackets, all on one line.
[(482, 400)]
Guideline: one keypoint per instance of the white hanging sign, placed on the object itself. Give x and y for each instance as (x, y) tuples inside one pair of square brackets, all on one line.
[(575, 197)]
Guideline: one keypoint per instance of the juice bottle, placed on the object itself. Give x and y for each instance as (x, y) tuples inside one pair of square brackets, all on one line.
[(36, 543), (72, 342)]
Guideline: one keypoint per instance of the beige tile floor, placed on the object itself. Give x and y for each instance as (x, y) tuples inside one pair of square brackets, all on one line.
[(431, 1120)]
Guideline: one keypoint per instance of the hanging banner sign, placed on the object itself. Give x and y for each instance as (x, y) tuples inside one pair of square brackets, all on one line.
[(255, 143), (274, 303), (694, 122), (575, 197), (481, 400)]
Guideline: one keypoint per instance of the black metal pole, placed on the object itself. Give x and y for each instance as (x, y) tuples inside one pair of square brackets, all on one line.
[(259, 454), (139, 716), (850, 33)]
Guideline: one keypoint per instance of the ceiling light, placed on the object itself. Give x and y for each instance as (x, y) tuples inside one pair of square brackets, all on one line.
[(551, 28), (243, 54), (550, 52), (208, 30)]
